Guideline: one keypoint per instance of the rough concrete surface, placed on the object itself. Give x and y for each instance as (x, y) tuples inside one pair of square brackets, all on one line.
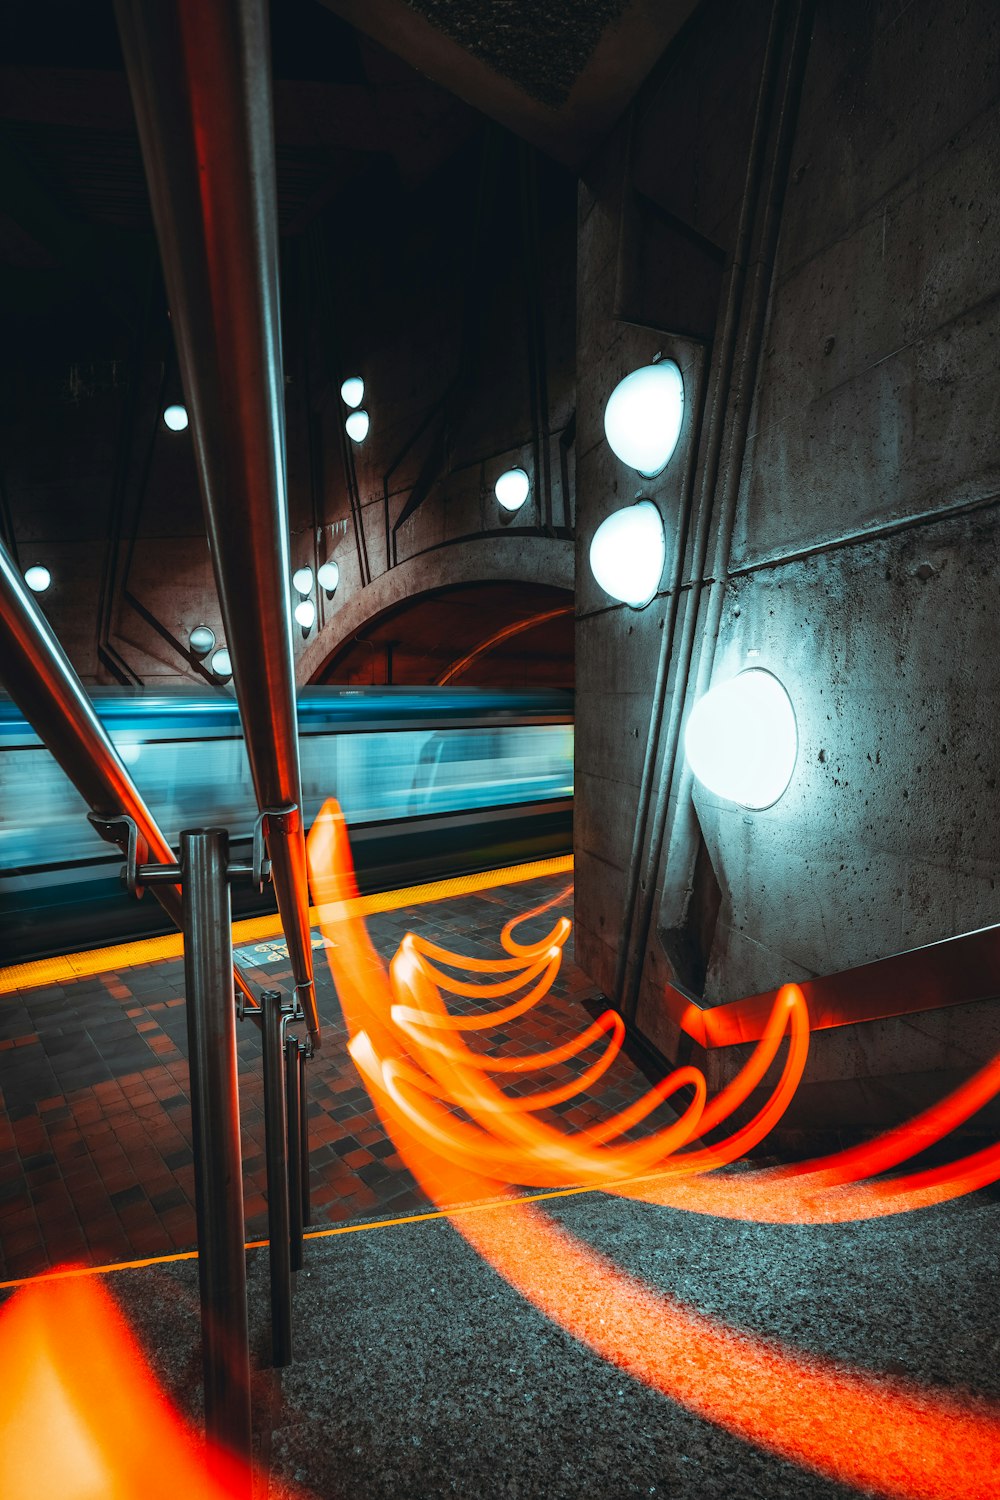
[(852, 535), (562, 38), (418, 1372)]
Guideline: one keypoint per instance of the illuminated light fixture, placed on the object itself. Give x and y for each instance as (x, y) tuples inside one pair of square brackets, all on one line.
[(222, 664), (357, 426), (328, 575), (302, 580), (37, 578), (642, 420), (512, 488), (352, 392), (742, 741), (201, 640), (128, 751), (176, 418), (305, 613), (628, 552)]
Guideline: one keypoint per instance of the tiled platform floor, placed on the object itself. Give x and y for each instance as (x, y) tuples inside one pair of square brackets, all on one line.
[(95, 1129)]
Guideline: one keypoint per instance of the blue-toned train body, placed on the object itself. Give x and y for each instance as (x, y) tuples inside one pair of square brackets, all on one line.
[(433, 781)]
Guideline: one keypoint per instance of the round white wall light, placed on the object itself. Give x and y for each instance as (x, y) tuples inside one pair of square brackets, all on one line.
[(328, 575), (222, 664), (201, 640), (741, 740), (642, 420), (37, 578), (628, 552), (305, 613), (512, 489), (357, 426), (352, 392), (302, 580), (176, 418)]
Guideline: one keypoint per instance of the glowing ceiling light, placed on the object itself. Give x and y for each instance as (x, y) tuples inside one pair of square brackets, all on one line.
[(201, 640), (305, 613), (741, 740), (222, 664), (628, 552), (302, 580), (511, 489), (642, 420), (352, 392), (37, 578), (357, 426), (328, 575), (176, 418)]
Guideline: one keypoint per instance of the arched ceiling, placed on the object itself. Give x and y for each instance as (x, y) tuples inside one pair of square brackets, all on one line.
[(469, 631)]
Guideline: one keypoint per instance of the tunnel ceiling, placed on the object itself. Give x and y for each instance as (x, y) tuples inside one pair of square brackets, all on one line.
[(343, 107), (559, 75), (374, 132), (359, 84)]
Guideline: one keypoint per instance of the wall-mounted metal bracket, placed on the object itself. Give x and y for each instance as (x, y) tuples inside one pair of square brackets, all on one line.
[(124, 832), (284, 820), (260, 861)]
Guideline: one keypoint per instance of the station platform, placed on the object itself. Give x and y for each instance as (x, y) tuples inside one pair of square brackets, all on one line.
[(584, 1347), (95, 1124)]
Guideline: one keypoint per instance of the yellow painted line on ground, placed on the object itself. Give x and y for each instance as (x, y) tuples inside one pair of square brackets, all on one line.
[(310, 1234), (70, 966)]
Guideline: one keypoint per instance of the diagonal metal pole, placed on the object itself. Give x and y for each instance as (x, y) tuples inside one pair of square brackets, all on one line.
[(200, 80)]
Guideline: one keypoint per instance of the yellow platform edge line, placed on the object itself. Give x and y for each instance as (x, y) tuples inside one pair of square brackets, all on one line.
[(71, 1272), (70, 966)]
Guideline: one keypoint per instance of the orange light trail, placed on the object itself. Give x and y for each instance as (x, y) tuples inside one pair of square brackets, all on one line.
[(877, 1434), (82, 1416)]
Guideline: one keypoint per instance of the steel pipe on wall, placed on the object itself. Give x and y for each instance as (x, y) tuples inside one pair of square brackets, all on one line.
[(200, 81)]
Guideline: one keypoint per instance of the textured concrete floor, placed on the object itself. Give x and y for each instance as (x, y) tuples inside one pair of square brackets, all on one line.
[(420, 1373)]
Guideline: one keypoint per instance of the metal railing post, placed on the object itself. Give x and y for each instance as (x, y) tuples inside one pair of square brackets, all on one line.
[(276, 1152), (215, 1121), (304, 1137), (293, 1096)]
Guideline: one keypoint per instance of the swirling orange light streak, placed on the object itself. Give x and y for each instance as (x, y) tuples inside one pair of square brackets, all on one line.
[(923, 1444), (832, 1189)]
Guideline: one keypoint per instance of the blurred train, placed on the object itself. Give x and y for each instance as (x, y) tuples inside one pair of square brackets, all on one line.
[(433, 782)]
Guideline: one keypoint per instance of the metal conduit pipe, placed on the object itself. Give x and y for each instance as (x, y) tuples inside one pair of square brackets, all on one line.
[(38, 676), (735, 377), (657, 764), (200, 82)]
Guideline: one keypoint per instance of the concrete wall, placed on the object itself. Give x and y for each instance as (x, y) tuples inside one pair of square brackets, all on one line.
[(845, 487)]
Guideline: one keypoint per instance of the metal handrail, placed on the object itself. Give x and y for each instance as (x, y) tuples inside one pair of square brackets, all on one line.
[(37, 673), (960, 970), (200, 82)]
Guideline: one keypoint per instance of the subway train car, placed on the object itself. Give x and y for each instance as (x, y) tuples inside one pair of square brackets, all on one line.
[(433, 782)]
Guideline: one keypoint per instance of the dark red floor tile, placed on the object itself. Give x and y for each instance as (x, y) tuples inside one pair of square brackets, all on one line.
[(122, 1148)]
